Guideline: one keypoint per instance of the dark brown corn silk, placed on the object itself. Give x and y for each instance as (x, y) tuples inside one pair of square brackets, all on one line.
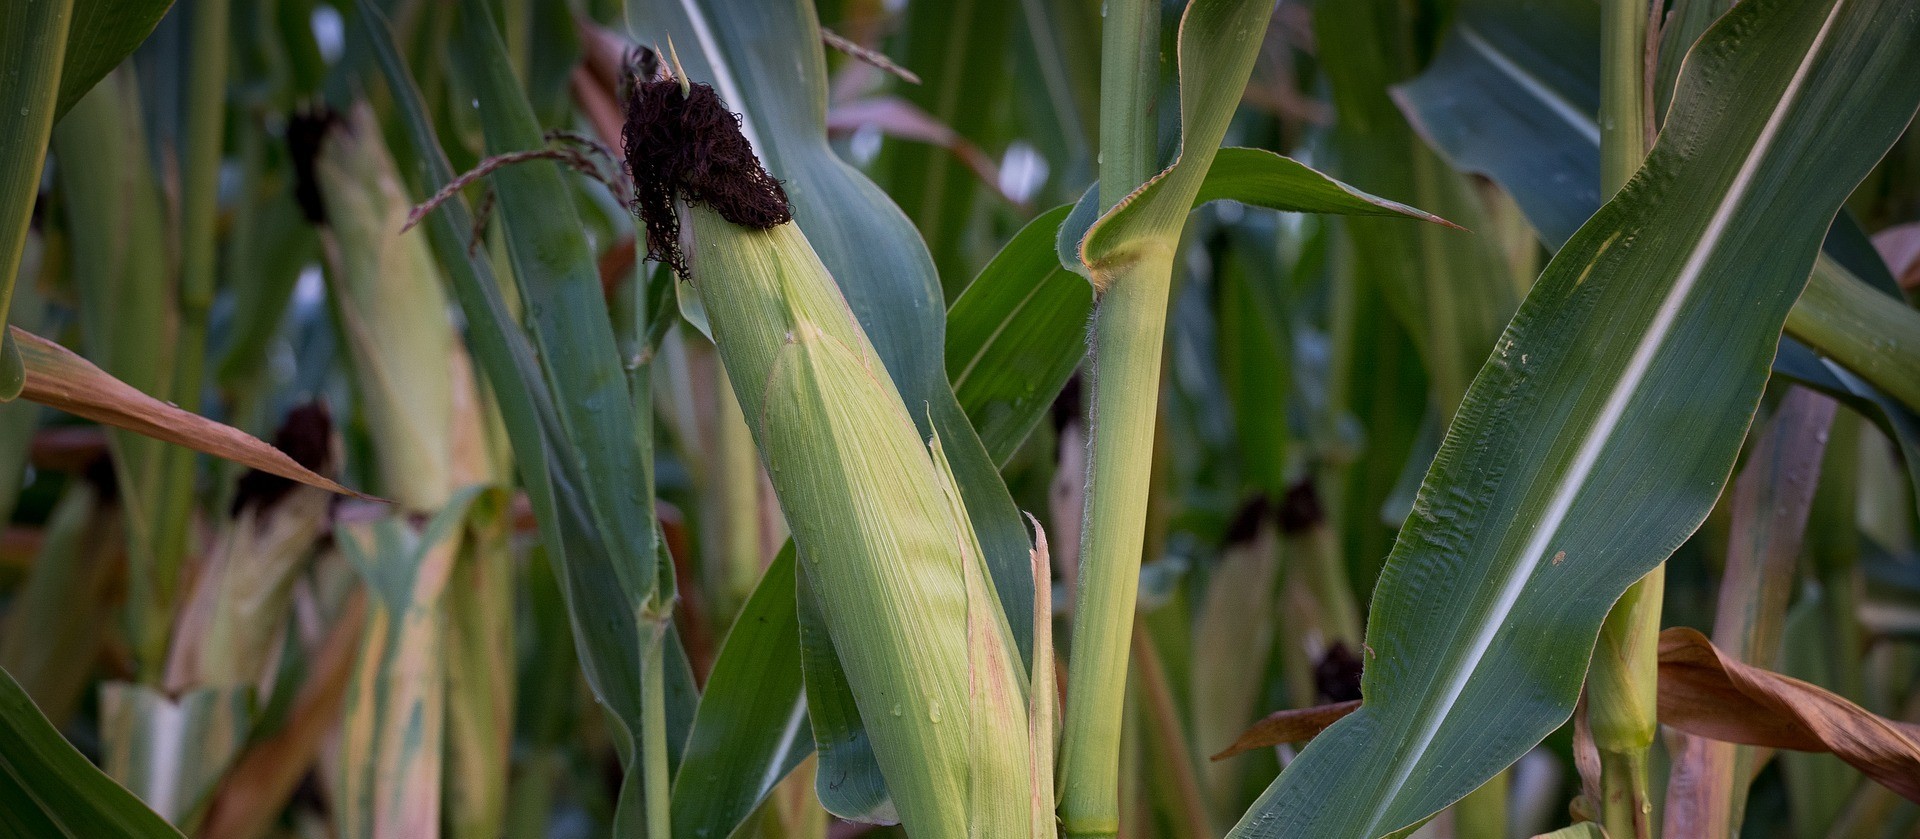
[(689, 146), (306, 436)]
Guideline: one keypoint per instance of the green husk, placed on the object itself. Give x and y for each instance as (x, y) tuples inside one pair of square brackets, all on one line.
[(879, 530)]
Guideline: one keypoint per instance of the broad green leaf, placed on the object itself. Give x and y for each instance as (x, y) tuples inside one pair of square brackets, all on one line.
[(103, 33), (1017, 333), (1015, 336), (848, 780), (751, 728), (1513, 94), (49, 789), (1605, 423)]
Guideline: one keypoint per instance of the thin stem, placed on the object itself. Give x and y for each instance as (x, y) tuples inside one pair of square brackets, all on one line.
[(1129, 329), (653, 738), (1621, 688)]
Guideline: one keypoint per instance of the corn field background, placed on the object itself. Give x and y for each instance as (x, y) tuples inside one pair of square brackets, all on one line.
[(792, 419)]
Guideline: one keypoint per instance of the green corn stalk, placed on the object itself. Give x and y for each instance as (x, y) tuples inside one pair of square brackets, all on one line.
[(880, 530), (1623, 680)]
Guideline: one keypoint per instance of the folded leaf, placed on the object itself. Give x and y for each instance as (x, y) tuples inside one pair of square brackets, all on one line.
[(1705, 692)]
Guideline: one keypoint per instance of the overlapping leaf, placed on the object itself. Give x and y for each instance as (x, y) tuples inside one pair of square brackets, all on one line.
[(1599, 432)]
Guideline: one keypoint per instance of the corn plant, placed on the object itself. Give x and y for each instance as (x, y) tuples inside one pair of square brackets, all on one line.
[(777, 418)]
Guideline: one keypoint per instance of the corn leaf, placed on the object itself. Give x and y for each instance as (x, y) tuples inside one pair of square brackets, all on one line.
[(751, 727), (1706, 692), (1548, 499), (1015, 336), (47, 788), (103, 33), (1513, 94), (59, 379), (33, 41)]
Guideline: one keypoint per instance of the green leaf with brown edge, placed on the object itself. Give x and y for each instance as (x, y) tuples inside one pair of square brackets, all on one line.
[(48, 789), (1596, 437), (58, 378)]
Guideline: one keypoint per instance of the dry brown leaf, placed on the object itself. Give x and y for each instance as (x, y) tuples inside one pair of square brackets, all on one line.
[(1291, 726), (1707, 693), (58, 378)]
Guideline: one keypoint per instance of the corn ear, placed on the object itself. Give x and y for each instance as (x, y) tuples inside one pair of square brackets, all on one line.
[(393, 312), (876, 529)]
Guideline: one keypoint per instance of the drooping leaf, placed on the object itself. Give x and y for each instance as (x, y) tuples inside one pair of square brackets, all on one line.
[(47, 788), (59, 379), (1594, 411), (1296, 725), (1706, 692)]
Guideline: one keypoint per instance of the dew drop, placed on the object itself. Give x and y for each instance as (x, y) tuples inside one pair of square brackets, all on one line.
[(897, 710)]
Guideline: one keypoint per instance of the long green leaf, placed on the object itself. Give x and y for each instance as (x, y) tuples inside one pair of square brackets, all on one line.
[(1598, 434), (49, 789), (1513, 95), (33, 43), (1015, 336), (750, 730)]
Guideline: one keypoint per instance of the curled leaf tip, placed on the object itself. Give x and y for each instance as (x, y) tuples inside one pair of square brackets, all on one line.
[(683, 143)]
